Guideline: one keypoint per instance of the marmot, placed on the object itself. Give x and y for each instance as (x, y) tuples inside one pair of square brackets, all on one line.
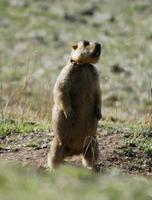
[(77, 107)]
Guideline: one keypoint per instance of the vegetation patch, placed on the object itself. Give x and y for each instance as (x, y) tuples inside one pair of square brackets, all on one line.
[(137, 136), (8, 126), (140, 137), (25, 183)]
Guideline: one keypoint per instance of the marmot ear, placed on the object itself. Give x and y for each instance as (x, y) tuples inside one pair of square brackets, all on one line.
[(75, 46)]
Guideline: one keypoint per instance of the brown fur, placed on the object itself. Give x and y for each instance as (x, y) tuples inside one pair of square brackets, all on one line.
[(77, 109)]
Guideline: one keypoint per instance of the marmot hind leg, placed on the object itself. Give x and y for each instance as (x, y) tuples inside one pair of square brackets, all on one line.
[(90, 154), (57, 154)]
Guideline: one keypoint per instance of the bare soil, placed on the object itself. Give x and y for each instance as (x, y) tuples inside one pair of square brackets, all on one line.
[(32, 149)]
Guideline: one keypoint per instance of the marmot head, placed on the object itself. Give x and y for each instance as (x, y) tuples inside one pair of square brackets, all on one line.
[(86, 52)]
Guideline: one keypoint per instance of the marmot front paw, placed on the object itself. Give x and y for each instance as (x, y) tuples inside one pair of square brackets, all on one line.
[(69, 114), (98, 113)]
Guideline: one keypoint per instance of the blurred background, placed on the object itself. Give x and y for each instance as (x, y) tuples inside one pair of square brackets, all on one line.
[(35, 42)]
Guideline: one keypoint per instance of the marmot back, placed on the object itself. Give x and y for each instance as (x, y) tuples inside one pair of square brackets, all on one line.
[(77, 107)]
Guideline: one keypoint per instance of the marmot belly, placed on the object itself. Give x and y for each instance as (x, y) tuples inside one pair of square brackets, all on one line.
[(74, 133)]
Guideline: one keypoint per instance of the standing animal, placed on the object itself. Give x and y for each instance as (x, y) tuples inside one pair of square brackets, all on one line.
[(77, 107)]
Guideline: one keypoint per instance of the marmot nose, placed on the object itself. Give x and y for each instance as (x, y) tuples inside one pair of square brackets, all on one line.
[(98, 47)]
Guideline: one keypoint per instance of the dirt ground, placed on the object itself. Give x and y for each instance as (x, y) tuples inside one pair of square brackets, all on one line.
[(32, 149)]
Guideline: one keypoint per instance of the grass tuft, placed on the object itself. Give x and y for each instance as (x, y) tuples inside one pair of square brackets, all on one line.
[(8, 126), (136, 135)]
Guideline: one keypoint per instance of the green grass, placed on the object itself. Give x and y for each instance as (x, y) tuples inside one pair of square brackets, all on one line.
[(8, 126), (71, 183), (136, 135), (140, 136)]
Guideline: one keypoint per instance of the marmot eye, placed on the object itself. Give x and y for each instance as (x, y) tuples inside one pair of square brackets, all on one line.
[(86, 43), (75, 46)]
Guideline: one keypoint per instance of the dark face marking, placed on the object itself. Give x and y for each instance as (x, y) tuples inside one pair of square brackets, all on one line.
[(98, 49), (86, 43), (75, 46)]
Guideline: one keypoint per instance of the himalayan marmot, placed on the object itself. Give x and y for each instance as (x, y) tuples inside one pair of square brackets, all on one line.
[(77, 107)]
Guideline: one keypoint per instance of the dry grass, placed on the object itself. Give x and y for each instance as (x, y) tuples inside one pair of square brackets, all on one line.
[(35, 40)]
